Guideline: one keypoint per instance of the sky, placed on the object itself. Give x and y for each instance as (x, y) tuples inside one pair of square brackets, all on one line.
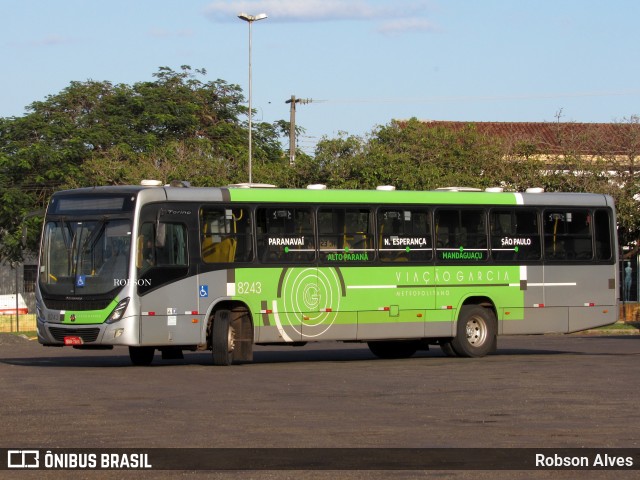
[(363, 63)]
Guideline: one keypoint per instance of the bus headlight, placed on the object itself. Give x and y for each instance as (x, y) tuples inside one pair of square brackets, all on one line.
[(118, 312)]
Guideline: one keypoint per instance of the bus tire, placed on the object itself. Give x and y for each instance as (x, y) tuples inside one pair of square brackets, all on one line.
[(447, 349), (476, 332), (222, 338), (391, 349), (141, 356)]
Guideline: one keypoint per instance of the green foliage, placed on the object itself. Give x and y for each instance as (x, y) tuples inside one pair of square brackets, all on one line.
[(96, 133), (411, 156)]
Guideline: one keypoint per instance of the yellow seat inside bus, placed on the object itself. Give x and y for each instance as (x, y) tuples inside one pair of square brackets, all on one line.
[(221, 252)]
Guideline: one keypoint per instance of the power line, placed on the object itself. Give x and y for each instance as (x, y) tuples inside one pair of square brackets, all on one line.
[(471, 98)]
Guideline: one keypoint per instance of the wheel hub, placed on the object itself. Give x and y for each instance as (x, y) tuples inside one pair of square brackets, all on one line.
[(476, 331)]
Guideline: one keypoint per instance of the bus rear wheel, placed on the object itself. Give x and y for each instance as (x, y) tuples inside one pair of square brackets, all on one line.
[(141, 356), (476, 332), (222, 338), (390, 349), (447, 349)]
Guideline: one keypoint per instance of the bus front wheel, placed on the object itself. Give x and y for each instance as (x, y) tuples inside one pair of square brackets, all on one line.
[(222, 338), (476, 332)]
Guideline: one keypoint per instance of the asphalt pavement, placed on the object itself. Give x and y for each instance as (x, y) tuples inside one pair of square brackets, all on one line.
[(557, 392)]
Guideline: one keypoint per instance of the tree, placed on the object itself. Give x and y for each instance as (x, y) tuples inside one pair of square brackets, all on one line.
[(96, 133), (624, 180), (411, 155), (598, 158)]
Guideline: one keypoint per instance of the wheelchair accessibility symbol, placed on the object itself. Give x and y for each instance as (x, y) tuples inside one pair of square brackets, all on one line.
[(204, 291)]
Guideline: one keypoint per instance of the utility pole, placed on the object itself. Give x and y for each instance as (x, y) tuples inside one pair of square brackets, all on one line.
[(292, 125)]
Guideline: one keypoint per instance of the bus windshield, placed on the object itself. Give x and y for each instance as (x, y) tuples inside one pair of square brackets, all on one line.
[(84, 257)]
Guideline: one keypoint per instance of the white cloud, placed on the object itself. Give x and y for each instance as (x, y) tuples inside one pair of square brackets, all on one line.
[(51, 40), (287, 10), (406, 25), (324, 10)]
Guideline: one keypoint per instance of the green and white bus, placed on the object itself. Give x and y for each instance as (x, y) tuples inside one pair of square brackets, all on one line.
[(176, 268)]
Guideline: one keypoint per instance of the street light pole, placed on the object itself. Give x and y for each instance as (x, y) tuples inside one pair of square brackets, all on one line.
[(250, 19)]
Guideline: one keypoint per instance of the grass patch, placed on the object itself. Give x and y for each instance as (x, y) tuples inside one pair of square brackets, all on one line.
[(27, 333), (620, 326)]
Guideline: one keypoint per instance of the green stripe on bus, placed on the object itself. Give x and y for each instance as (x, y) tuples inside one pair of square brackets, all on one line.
[(374, 197)]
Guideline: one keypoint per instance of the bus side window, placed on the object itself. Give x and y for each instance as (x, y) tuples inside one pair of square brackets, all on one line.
[(327, 237), (345, 234), (285, 234), (567, 235), (515, 235), (603, 235), (161, 254), (473, 229), (171, 244), (357, 234), (404, 235), (145, 251), (225, 235), (166, 247), (458, 230)]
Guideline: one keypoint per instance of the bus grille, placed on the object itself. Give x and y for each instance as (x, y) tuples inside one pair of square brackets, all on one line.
[(79, 305), (86, 334)]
